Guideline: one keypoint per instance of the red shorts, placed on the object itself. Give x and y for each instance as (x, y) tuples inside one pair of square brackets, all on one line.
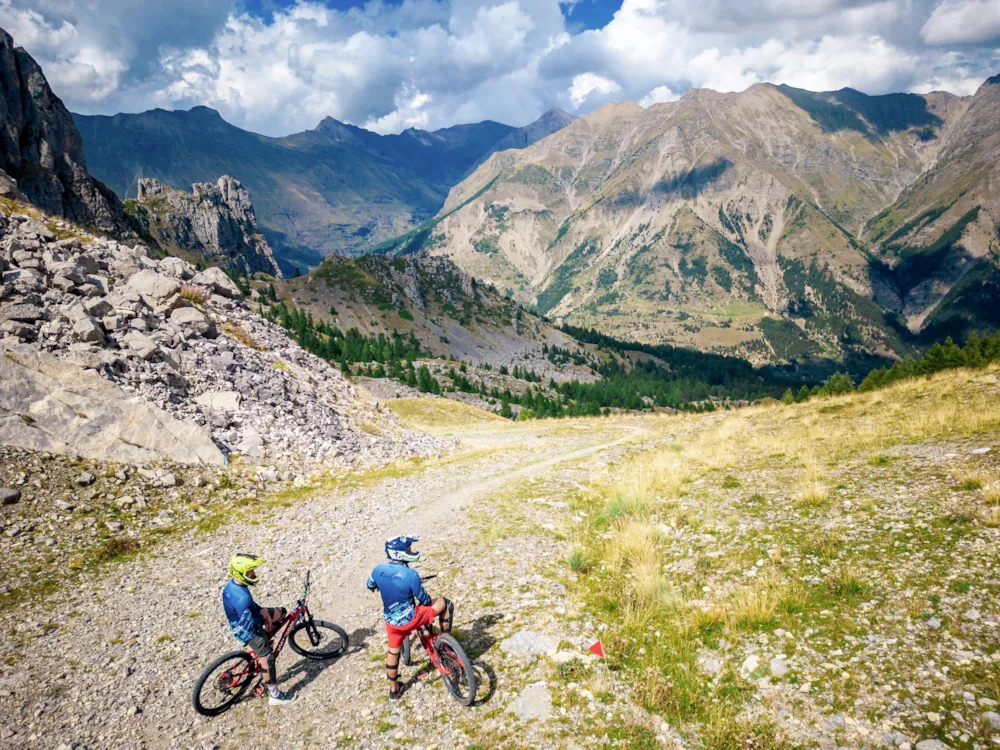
[(397, 633)]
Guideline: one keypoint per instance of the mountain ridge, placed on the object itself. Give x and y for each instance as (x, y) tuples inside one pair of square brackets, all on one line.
[(336, 187), (735, 222)]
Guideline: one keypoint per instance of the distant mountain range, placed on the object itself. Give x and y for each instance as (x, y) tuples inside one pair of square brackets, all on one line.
[(337, 188), (775, 224)]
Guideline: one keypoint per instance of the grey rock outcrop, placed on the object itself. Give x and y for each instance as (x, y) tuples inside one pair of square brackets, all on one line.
[(41, 152), (50, 405), (217, 221)]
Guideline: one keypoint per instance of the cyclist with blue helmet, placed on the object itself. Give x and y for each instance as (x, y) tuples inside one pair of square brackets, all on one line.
[(406, 606)]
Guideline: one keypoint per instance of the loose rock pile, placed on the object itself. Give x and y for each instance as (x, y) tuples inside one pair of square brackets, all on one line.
[(178, 340)]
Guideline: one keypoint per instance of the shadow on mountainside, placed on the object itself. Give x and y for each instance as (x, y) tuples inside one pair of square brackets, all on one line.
[(693, 182)]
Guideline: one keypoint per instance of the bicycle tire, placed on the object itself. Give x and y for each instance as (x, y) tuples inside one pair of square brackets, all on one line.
[(318, 651), (234, 692), (406, 656), (452, 656)]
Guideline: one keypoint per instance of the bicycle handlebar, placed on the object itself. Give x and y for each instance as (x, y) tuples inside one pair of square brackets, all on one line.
[(427, 578)]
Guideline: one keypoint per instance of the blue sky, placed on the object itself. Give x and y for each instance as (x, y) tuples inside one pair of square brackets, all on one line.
[(581, 15), (281, 66)]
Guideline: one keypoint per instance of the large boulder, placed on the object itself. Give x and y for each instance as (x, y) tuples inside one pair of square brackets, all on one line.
[(220, 400), (142, 346), (154, 285), (192, 319), (89, 330), (217, 280), (49, 405)]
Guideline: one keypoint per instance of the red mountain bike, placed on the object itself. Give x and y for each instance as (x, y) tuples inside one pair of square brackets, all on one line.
[(447, 655), (228, 677)]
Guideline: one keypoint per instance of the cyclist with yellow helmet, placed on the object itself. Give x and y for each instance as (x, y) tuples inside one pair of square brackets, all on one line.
[(252, 624)]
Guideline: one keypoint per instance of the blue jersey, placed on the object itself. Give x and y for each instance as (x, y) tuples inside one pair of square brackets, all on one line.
[(401, 591), (241, 611)]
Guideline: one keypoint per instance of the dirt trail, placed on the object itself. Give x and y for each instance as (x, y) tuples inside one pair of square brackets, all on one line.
[(113, 665)]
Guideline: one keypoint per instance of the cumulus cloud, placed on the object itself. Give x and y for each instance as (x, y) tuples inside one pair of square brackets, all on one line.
[(586, 84), (964, 22), (659, 95), (435, 63)]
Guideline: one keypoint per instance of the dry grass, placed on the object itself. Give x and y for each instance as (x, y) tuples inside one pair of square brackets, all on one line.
[(991, 493), (990, 517), (679, 503), (194, 294), (633, 544), (240, 334), (827, 545), (441, 415)]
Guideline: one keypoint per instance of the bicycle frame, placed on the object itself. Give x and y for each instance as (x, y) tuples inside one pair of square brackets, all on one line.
[(301, 610), (427, 638)]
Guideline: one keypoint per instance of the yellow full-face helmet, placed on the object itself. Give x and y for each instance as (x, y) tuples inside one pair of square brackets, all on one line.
[(240, 564)]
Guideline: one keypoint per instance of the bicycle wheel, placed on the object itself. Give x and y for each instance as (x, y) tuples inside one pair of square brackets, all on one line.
[(406, 656), (456, 669), (318, 639), (223, 683)]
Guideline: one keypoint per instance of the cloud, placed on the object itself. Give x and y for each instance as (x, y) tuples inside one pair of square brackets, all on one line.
[(586, 84), (659, 95), (435, 63), (964, 22)]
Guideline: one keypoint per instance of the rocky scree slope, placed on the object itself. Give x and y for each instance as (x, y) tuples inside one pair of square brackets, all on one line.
[(215, 222), (336, 188), (110, 353), (41, 154), (732, 222)]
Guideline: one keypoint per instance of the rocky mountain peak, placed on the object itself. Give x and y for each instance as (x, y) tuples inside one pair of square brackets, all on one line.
[(41, 152), (217, 220)]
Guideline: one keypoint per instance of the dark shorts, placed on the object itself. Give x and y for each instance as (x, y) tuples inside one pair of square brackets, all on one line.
[(261, 645)]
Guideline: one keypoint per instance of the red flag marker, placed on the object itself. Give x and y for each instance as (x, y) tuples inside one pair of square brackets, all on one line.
[(598, 648)]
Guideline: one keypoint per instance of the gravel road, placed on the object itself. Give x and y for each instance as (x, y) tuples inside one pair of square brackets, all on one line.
[(113, 664)]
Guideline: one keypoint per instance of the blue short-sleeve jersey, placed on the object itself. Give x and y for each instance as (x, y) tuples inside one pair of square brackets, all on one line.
[(401, 591), (241, 611)]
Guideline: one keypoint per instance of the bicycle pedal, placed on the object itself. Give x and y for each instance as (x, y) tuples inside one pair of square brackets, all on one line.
[(423, 676)]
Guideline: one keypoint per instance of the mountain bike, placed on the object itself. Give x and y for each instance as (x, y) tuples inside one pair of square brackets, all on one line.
[(447, 655), (226, 679)]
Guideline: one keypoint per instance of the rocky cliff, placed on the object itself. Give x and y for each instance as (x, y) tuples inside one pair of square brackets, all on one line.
[(41, 153), (215, 221)]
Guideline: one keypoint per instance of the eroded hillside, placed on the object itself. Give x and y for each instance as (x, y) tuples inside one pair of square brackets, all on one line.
[(736, 222)]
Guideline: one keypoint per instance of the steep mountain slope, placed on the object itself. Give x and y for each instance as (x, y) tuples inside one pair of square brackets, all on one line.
[(551, 122), (41, 154), (727, 221), (214, 223), (337, 188), (938, 245)]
